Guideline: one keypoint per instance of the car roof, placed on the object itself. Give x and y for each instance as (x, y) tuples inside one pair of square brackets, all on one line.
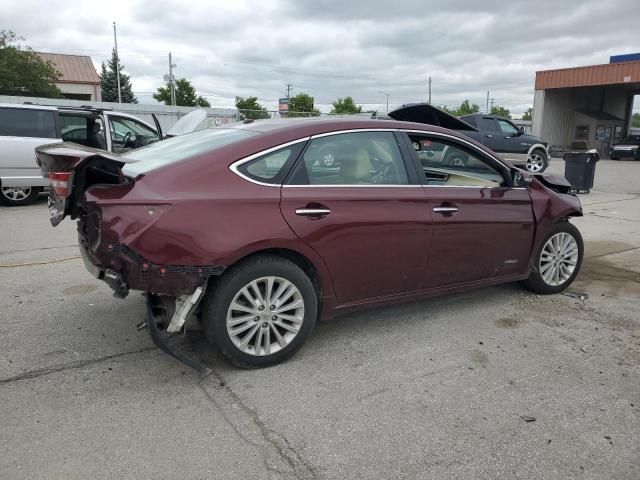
[(27, 106), (301, 127)]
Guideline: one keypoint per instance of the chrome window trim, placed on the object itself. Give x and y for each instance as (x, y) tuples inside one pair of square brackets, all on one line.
[(234, 166), (354, 130)]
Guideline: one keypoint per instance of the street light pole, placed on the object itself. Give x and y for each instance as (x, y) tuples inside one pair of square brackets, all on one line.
[(115, 41), (387, 95)]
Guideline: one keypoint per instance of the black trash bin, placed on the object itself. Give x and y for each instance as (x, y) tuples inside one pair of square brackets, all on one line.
[(580, 169)]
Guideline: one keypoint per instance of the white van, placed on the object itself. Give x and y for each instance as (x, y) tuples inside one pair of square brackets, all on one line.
[(23, 127)]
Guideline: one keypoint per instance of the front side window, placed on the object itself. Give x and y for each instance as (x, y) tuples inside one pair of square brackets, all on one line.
[(507, 127), (446, 164), (360, 158), (127, 134), (27, 122)]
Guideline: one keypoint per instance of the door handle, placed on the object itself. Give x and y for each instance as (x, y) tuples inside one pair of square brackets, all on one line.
[(507, 136), (445, 210), (312, 212), (489, 136)]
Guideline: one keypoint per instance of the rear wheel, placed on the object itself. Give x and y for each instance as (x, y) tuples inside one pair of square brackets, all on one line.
[(260, 312), (17, 196), (537, 162), (557, 261)]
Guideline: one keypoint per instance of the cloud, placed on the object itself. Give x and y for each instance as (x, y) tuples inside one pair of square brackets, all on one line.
[(331, 48)]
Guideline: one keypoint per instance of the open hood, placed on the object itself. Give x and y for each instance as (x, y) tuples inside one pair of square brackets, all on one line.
[(430, 115), (192, 122)]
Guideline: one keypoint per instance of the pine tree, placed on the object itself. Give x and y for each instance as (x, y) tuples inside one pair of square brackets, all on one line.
[(109, 82)]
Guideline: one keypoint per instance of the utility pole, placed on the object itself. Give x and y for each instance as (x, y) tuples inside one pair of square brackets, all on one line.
[(171, 82), (387, 95), (487, 102), (429, 90), (492, 102), (115, 41), (289, 91)]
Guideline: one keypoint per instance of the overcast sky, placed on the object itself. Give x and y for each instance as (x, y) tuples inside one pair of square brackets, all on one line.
[(335, 48)]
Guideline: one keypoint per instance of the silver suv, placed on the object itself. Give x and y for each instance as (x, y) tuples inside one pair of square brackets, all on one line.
[(23, 127)]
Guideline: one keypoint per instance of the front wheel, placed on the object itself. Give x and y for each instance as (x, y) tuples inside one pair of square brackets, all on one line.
[(18, 196), (260, 312), (557, 261), (537, 162)]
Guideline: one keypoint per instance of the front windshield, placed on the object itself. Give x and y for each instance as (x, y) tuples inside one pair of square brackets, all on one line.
[(180, 148)]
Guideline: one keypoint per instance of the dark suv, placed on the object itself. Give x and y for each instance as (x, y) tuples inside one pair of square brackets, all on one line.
[(499, 134)]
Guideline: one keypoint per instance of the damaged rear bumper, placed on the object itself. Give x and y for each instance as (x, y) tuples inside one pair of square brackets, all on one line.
[(123, 269)]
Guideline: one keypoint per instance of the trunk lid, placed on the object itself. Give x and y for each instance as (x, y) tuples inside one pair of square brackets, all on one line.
[(72, 169), (429, 115)]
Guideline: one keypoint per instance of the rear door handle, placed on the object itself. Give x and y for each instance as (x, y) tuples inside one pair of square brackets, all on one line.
[(312, 212), (445, 210), (489, 136)]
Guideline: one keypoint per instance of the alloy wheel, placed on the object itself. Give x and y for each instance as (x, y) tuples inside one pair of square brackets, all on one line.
[(16, 194), (535, 163), (265, 316), (558, 259)]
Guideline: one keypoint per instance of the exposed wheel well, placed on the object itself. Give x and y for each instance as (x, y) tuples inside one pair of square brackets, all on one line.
[(300, 260)]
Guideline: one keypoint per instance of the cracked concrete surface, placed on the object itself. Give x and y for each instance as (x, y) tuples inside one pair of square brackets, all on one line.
[(433, 389)]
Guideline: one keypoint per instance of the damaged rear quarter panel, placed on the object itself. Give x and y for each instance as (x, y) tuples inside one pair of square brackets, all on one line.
[(203, 223)]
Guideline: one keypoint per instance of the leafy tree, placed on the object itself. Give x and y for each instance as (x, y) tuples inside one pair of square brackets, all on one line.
[(528, 115), (302, 106), (635, 120), (467, 108), (185, 95), (345, 105), (250, 108), (23, 72), (109, 82), (499, 111)]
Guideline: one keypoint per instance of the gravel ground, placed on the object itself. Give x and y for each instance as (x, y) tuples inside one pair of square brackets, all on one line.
[(435, 389)]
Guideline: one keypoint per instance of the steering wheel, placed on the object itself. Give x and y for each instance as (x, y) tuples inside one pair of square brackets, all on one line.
[(381, 170), (126, 139)]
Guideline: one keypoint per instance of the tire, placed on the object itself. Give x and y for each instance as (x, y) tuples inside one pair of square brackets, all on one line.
[(539, 282), (16, 197), (217, 311), (456, 160), (537, 162), (614, 158)]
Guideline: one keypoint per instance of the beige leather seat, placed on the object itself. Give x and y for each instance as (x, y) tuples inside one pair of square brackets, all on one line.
[(355, 168)]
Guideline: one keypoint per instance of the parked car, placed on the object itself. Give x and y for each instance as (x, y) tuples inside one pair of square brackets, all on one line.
[(499, 134), (25, 126), (628, 147), (247, 230)]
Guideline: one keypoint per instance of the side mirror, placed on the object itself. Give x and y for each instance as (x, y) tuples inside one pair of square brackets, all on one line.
[(518, 179), (521, 130)]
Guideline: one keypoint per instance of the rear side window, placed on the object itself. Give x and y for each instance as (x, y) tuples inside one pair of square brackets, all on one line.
[(27, 122), (177, 149), (488, 124), (360, 158), (272, 167)]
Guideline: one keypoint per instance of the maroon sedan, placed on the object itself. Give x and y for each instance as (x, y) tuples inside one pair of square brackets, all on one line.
[(260, 229)]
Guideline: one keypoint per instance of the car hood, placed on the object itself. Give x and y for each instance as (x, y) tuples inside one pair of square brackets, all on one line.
[(429, 115)]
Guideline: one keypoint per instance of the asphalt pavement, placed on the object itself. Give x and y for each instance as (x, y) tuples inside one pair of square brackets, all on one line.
[(492, 383)]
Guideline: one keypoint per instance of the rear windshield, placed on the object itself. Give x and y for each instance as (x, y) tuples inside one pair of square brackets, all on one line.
[(176, 149), (27, 122)]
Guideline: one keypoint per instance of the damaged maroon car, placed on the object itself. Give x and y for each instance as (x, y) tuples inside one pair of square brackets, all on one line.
[(260, 229)]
